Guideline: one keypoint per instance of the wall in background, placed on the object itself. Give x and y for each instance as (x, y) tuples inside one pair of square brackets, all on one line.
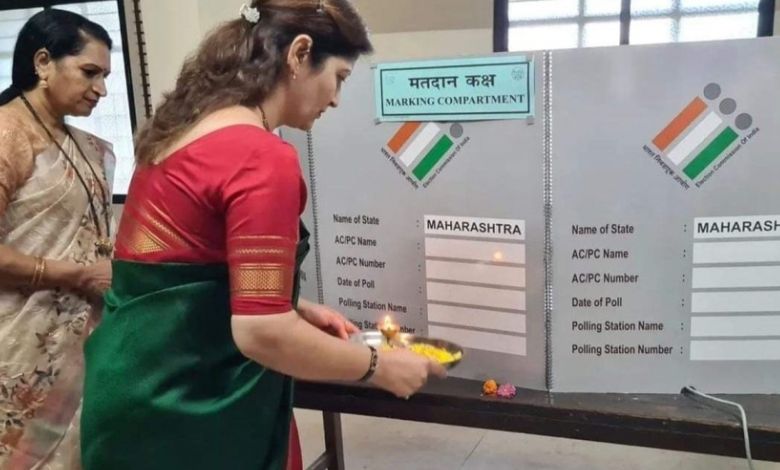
[(400, 29)]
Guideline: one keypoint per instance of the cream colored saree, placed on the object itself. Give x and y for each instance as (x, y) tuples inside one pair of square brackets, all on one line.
[(42, 332)]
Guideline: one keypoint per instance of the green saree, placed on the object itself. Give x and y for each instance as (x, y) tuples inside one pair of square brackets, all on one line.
[(166, 388)]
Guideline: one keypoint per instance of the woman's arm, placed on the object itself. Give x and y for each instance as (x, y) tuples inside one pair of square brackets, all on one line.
[(20, 270), (287, 343)]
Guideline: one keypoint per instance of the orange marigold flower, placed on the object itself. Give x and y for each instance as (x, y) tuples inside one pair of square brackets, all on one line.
[(489, 387)]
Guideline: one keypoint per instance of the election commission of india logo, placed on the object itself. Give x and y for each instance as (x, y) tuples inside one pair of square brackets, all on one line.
[(421, 150), (701, 138)]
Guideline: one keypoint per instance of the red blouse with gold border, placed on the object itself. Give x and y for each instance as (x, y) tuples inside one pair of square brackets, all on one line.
[(232, 196)]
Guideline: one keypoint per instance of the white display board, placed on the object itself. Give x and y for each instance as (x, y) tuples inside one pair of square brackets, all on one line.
[(627, 239)]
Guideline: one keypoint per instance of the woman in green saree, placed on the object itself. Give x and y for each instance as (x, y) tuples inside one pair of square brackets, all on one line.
[(192, 365)]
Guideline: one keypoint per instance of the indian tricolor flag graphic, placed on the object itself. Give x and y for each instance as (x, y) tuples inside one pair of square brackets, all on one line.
[(421, 146), (698, 135)]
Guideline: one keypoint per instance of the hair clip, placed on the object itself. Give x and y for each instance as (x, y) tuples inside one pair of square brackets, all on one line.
[(321, 6), (250, 14)]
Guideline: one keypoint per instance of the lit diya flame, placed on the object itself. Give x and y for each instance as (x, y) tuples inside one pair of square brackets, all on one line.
[(388, 328)]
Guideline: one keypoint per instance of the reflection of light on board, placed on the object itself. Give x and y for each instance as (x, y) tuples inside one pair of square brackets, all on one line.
[(498, 256)]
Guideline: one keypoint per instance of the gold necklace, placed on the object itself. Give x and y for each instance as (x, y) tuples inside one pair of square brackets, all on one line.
[(103, 245)]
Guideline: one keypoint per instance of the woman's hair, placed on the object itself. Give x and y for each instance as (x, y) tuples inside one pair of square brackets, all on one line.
[(240, 62), (60, 32)]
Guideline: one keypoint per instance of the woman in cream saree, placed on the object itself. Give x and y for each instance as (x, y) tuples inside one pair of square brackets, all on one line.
[(54, 236), (41, 363)]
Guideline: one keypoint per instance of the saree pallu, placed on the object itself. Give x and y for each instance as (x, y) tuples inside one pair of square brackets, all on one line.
[(42, 332), (166, 387)]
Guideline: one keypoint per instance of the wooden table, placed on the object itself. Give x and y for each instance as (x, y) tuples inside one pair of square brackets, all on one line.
[(674, 422)]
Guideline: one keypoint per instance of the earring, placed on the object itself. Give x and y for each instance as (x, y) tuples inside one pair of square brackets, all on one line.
[(44, 83)]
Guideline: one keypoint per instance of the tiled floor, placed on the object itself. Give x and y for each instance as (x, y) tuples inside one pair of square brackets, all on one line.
[(383, 444)]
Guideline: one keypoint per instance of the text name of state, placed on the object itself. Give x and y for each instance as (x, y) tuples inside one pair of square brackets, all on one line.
[(606, 229), (359, 219)]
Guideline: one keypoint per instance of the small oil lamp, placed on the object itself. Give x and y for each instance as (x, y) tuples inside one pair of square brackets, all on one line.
[(389, 329)]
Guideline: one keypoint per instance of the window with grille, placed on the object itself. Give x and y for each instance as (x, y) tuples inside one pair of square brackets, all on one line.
[(113, 119), (558, 24)]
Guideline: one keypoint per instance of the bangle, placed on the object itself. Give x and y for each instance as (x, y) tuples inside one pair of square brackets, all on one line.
[(40, 269), (372, 366)]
